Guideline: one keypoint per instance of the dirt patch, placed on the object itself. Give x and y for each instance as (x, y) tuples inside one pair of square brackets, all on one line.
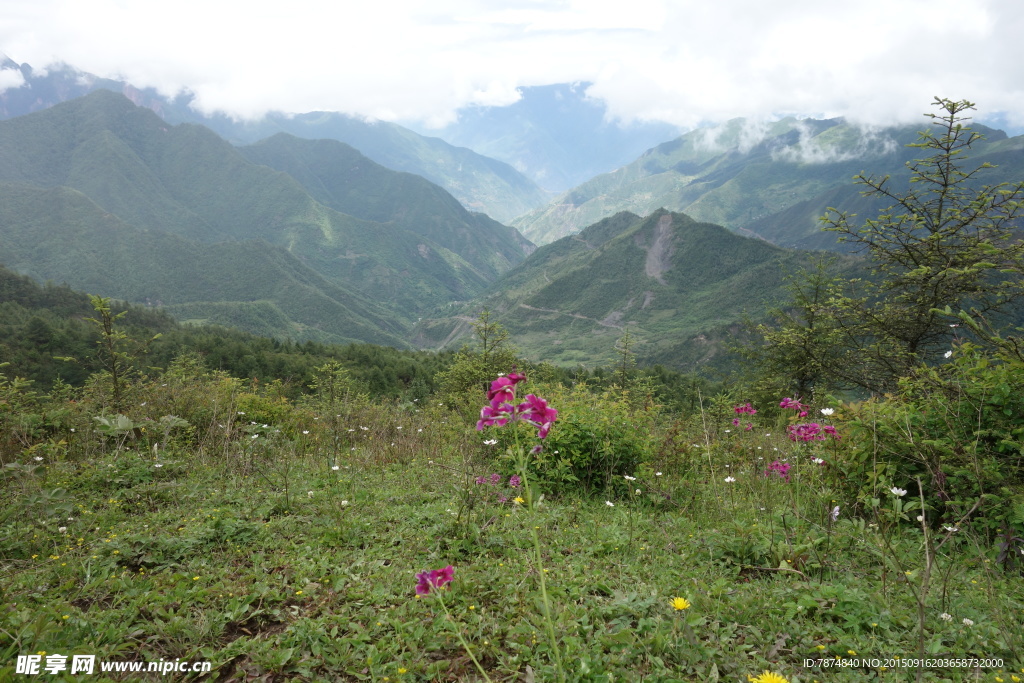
[(659, 254)]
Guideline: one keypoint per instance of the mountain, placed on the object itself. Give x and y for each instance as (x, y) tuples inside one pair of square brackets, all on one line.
[(338, 176), (769, 180), (58, 234), (96, 186), (678, 285), (480, 183), (555, 134)]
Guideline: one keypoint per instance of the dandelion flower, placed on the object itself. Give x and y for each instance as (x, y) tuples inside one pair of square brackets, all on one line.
[(770, 677), (518, 500), (679, 604)]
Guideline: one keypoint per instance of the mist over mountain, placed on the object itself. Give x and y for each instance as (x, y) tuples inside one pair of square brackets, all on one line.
[(481, 183), (770, 180), (554, 134)]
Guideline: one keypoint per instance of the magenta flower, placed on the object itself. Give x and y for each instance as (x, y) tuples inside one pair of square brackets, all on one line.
[(811, 431), (745, 409), (779, 468), (437, 578), (495, 479), (494, 414), (503, 388), (514, 481)]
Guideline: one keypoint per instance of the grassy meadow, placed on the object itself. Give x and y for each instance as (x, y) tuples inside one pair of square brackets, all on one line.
[(281, 539)]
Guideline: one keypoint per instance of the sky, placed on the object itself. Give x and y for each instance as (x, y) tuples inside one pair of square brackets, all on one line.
[(684, 62)]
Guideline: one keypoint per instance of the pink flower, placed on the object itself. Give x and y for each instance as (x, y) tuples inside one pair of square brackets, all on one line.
[(437, 578), (745, 409), (503, 388), (779, 468)]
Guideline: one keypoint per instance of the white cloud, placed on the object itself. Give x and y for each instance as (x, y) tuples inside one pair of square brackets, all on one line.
[(683, 61)]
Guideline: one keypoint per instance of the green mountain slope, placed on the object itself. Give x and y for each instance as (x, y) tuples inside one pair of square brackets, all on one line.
[(678, 286), (185, 180), (340, 177), (479, 182), (772, 181), (59, 234)]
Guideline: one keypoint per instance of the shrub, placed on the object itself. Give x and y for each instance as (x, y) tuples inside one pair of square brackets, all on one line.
[(959, 427), (595, 441)]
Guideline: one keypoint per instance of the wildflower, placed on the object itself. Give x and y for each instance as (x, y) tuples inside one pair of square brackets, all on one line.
[(729, 480), (745, 409), (514, 481), (898, 492), (945, 616), (947, 354), (305, 431), (159, 464), (818, 461), (835, 513), (951, 529), (495, 479), (637, 492), (489, 442), (679, 604), (968, 622), (62, 529), (770, 677), (779, 468), (657, 474), (628, 478), (518, 500), (336, 468), (920, 518), (310, 494), (344, 503), (609, 503), (437, 578), (827, 411), (38, 458)]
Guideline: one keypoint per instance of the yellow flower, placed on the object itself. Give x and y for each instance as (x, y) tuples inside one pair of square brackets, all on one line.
[(518, 500), (770, 677), (402, 670), (680, 604)]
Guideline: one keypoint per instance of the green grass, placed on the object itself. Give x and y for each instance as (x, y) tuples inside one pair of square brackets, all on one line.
[(248, 556)]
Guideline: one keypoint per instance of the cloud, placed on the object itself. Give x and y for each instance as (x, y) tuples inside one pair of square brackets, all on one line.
[(687, 62)]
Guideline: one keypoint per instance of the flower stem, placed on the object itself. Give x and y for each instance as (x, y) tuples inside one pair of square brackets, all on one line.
[(465, 645)]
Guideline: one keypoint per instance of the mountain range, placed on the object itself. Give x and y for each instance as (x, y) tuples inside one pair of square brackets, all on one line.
[(481, 183), (106, 196), (771, 180), (677, 285), (310, 239)]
